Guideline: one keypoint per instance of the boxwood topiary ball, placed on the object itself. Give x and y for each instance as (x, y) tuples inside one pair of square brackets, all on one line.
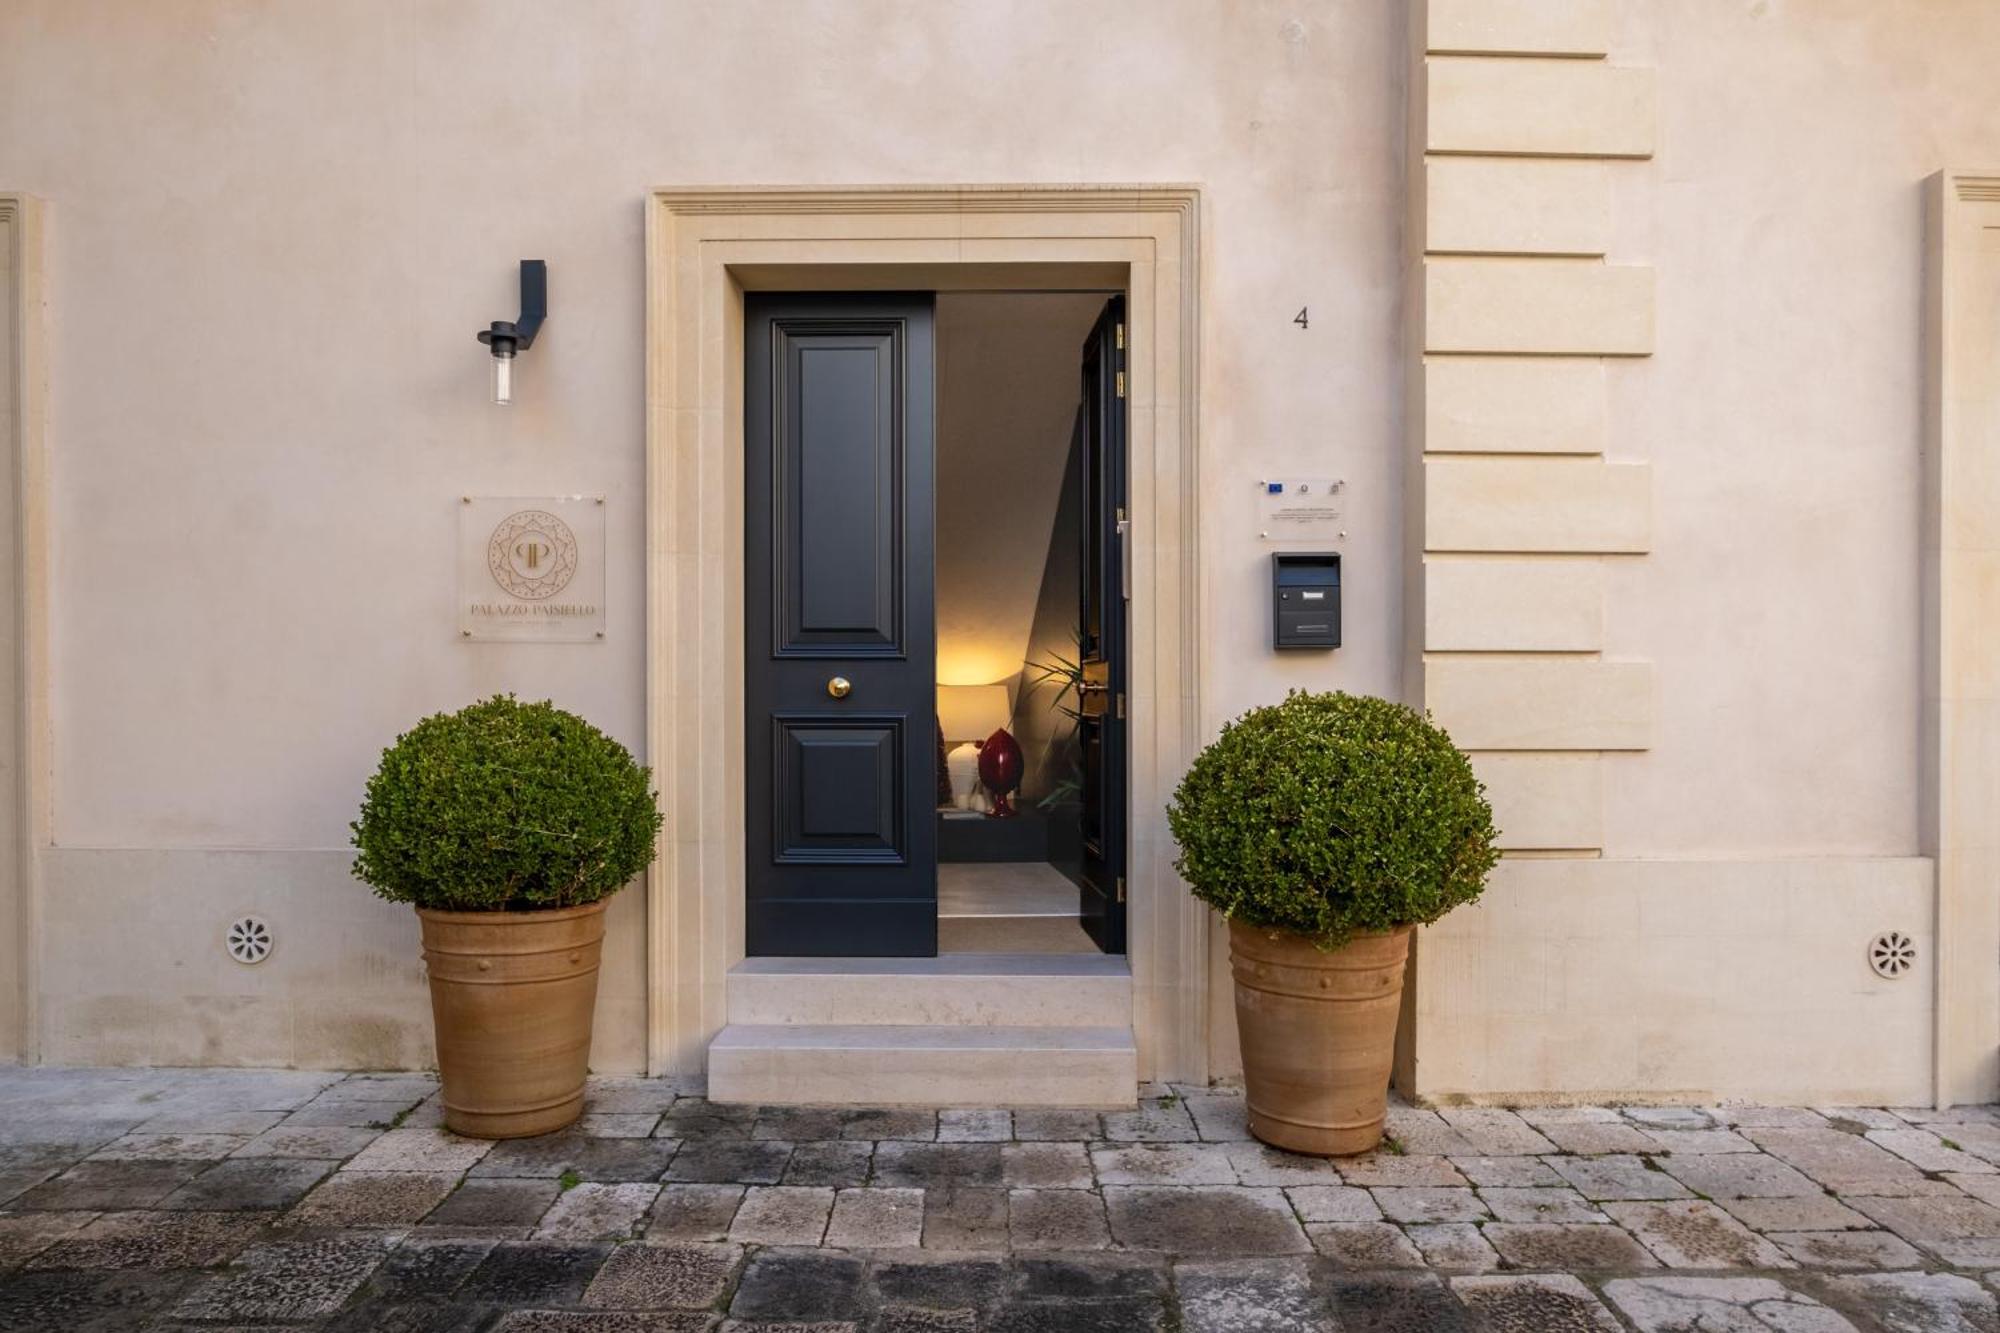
[(1330, 814), (505, 806)]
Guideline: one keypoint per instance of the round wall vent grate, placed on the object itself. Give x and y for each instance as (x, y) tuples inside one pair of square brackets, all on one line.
[(1892, 953), (249, 940)]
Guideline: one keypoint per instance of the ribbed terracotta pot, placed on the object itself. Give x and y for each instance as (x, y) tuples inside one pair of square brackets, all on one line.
[(512, 994), (1319, 1036)]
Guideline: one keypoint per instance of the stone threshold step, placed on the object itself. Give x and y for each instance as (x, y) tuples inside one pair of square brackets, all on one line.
[(923, 1065), (956, 965), (951, 990), (1014, 934)]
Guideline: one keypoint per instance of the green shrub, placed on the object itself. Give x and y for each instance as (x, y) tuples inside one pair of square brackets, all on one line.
[(505, 806), (1330, 814)]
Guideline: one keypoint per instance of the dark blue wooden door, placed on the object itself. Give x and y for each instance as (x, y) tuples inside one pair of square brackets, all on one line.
[(1105, 592), (839, 626)]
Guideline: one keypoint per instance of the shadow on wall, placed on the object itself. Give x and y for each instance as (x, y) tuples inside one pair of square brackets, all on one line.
[(1048, 734)]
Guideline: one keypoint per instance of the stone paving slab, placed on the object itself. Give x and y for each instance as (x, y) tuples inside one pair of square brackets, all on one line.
[(289, 1280), (1911, 1300), (1513, 1204), (1721, 1305), (1045, 1165), (1568, 1247), (1507, 1172), (1694, 1233), (1250, 1296), (1619, 1176), (1846, 1249), (179, 1199), (876, 1219), (1365, 1245), (782, 1215), (23, 1236), (1057, 1220), (1454, 1247), (694, 1212), (1958, 1231), (371, 1199), (597, 1211), (1537, 1303), (1333, 1203)]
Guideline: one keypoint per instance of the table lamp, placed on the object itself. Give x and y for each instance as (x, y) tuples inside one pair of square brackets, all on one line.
[(968, 714)]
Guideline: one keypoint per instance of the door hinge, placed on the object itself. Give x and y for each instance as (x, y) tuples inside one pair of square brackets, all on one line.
[(1121, 384), (1121, 705), (1121, 336), (1121, 888)]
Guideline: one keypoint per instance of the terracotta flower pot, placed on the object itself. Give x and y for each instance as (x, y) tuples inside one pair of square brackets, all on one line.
[(512, 994), (1319, 1036)]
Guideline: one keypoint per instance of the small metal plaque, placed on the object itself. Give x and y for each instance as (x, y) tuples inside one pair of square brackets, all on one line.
[(1301, 509), (531, 570)]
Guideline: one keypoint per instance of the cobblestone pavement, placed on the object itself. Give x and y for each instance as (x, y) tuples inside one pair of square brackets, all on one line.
[(224, 1199)]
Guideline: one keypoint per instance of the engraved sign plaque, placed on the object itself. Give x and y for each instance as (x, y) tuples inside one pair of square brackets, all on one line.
[(531, 570), (1301, 509)]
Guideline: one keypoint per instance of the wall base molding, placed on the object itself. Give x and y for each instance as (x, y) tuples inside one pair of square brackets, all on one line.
[(1579, 981), (135, 972)]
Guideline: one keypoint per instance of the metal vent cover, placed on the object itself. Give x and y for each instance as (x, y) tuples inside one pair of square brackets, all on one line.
[(1892, 953), (248, 940)]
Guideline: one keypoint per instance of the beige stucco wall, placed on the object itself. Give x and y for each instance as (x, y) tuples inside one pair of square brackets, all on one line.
[(1782, 414), (273, 230), (1755, 714)]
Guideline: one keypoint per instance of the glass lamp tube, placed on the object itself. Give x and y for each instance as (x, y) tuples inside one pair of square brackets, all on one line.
[(503, 377)]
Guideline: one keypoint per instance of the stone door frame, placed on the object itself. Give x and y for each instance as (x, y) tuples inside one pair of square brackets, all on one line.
[(705, 248), (24, 822)]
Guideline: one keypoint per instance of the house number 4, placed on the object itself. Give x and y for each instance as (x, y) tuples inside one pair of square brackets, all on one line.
[(1300, 318)]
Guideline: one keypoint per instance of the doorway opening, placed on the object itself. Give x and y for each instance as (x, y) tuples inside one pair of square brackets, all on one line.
[(1030, 622), (936, 600)]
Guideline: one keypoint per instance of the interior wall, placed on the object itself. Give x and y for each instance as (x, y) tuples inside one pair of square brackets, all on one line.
[(1009, 369), (1044, 731)]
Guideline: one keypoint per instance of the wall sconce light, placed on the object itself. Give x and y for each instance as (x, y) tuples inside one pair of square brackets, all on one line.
[(507, 339)]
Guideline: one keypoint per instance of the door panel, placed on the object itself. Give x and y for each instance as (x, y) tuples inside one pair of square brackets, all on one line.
[(1101, 616), (838, 490), (837, 790), (838, 625)]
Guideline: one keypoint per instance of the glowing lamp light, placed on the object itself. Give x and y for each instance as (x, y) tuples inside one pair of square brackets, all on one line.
[(971, 714)]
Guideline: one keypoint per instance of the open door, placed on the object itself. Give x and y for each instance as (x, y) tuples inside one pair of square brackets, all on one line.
[(1106, 591), (839, 626)]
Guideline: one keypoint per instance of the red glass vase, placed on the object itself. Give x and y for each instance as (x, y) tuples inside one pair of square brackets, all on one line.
[(1000, 767)]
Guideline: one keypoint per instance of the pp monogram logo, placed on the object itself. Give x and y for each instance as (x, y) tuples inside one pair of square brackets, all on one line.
[(532, 554)]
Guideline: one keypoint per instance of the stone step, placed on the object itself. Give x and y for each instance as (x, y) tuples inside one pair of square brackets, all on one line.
[(952, 990), (929, 1065), (1052, 934)]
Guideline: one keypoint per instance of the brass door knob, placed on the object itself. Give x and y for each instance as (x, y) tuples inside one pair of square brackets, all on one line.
[(838, 687)]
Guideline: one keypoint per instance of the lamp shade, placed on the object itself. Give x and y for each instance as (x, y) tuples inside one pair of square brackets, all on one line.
[(971, 712)]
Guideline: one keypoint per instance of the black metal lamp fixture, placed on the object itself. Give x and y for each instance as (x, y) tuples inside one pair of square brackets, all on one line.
[(507, 339)]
